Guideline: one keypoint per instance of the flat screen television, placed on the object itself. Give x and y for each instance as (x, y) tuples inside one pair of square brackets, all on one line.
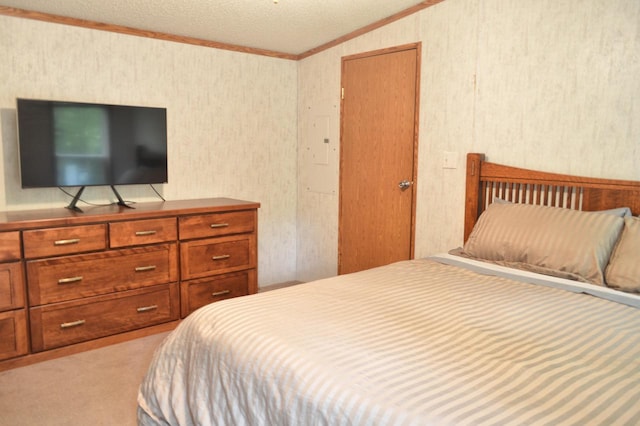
[(84, 144), (77, 144)]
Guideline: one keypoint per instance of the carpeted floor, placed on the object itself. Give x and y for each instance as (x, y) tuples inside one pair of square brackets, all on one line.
[(97, 387)]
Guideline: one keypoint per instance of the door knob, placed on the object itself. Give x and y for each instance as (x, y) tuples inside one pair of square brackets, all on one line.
[(405, 184)]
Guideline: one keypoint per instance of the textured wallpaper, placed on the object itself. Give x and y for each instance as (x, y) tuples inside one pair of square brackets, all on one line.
[(232, 119), (548, 85)]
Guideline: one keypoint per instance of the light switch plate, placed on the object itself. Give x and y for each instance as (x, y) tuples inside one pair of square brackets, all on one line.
[(450, 160)]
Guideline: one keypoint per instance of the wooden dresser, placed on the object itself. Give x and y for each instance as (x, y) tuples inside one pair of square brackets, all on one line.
[(71, 281), (13, 312)]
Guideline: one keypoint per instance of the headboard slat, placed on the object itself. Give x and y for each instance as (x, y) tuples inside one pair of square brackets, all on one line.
[(487, 180)]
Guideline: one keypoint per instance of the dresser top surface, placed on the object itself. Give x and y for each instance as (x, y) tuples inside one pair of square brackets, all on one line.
[(61, 216)]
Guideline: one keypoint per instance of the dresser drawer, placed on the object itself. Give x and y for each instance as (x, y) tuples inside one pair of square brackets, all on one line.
[(138, 232), (73, 322), (61, 241), (216, 224), (9, 246), (196, 293), (13, 334), (73, 277), (11, 286), (201, 258)]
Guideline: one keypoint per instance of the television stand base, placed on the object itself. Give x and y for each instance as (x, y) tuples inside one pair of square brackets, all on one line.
[(120, 200), (72, 204)]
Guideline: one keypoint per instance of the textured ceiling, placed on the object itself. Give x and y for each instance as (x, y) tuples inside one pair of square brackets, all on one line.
[(288, 26)]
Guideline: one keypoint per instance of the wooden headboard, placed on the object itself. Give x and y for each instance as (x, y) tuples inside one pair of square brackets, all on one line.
[(488, 180)]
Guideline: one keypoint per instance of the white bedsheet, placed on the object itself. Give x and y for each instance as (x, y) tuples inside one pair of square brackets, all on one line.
[(416, 342)]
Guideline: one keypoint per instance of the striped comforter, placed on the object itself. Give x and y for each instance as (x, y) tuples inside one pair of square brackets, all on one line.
[(413, 343)]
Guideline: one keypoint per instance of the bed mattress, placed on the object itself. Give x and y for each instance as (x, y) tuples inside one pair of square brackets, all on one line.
[(430, 341)]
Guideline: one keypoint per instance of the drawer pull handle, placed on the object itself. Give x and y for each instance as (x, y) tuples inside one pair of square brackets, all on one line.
[(70, 280), (219, 225), (220, 293), (144, 233), (145, 268), (72, 324), (147, 308), (66, 242), (221, 257)]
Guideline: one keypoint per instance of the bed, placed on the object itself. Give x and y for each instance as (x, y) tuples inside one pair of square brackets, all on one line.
[(521, 325)]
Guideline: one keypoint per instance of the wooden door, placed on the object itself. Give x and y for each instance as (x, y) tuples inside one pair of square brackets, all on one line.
[(379, 134)]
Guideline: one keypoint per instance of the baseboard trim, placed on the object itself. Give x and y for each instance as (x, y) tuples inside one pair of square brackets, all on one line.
[(278, 285)]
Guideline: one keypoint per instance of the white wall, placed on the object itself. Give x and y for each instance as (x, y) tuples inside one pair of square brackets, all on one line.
[(547, 85), (232, 121)]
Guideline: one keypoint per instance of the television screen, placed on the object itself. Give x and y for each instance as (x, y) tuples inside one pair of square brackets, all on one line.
[(83, 144)]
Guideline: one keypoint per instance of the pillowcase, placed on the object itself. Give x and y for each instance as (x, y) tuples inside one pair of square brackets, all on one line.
[(620, 211), (550, 240), (623, 271)]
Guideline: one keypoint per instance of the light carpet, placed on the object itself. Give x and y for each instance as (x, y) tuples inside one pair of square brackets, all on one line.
[(97, 387)]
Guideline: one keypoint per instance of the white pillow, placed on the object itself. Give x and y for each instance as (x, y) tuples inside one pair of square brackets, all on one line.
[(550, 240), (619, 211), (623, 271)]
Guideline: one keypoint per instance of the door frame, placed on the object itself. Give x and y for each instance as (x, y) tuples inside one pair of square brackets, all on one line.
[(417, 47)]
